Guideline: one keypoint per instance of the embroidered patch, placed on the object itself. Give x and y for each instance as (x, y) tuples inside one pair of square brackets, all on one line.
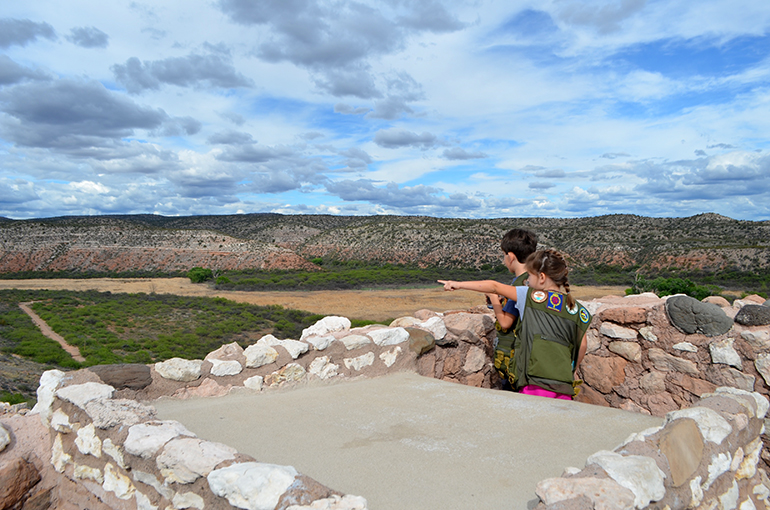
[(573, 310), (584, 317), (555, 301), (538, 296)]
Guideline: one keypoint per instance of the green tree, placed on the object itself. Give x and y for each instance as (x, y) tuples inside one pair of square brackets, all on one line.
[(200, 275)]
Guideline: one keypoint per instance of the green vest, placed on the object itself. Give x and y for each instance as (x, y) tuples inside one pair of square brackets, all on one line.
[(505, 337), (547, 342)]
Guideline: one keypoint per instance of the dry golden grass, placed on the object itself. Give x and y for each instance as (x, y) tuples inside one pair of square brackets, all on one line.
[(354, 304)]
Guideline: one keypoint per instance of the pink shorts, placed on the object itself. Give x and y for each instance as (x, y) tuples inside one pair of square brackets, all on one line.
[(531, 389)]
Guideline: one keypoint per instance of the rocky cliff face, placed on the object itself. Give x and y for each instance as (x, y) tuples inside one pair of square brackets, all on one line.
[(270, 241)]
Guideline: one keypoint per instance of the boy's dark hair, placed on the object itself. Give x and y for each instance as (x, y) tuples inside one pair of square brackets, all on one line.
[(520, 242)]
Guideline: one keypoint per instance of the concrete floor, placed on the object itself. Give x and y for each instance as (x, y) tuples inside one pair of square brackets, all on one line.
[(407, 442)]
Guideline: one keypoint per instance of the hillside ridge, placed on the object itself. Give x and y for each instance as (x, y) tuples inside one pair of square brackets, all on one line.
[(118, 243)]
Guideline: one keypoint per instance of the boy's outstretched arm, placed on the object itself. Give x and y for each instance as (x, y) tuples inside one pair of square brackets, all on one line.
[(486, 286)]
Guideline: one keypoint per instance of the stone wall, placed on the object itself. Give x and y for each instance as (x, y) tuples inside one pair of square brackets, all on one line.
[(645, 354), (703, 457), (104, 439)]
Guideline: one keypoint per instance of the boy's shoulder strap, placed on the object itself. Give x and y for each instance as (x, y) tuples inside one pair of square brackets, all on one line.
[(519, 280)]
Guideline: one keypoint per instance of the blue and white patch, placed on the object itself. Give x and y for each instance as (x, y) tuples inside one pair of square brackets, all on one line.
[(584, 316)]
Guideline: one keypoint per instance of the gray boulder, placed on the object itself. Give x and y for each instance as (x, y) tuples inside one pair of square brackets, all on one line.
[(766, 303), (691, 316), (420, 341), (132, 375), (753, 315)]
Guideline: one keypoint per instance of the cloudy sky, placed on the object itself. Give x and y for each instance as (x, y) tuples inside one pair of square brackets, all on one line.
[(484, 108)]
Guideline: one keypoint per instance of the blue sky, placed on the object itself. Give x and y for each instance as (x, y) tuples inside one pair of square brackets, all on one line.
[(473, 109)]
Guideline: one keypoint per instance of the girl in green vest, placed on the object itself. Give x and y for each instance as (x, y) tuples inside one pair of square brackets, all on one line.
[(549, 339)]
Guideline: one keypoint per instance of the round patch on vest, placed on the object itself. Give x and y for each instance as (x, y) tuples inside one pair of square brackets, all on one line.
[(573, 310), (584, 316), (538, 296)]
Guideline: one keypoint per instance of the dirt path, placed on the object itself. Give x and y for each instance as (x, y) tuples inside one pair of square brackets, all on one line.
[(354, 304), (53, 335)]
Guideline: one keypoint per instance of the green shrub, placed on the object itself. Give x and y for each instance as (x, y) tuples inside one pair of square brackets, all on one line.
[(200, 275), (12, 398), (673, 285)]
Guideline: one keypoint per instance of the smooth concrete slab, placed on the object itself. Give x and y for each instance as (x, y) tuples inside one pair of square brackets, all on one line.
[(404, 441)]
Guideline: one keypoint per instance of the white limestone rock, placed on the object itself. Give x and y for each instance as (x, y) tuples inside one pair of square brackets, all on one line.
[(748, 466), (145, 439), (722, 352), (729, 500), (59, 458), (143, 502), (696, 492), (114, 451), (5, 437), (434, 325), (355, 341), (631, 351), (294, 347), (385, 337), (346, 502), (759, 339), (49, 381), (252, 485), (115, 481), (323, 368), (293, 372), (81, 394), (178, 369), (88, 442), (593, 341), (254, 383), (60, 422), (187, 500), (359, 362), (711, 424), (719, 465), (611, 330), (222, 368), (475, 360), (743, 397), (326, 326), (685, 346), (108, 413), (82, 472), (748, 505), (227, 352), (605, 494), (639, 474), (762, 364), (389, 357), (648, 334), (258, 355), (149, 479), (187, 459), (320, 343), (641, 436)]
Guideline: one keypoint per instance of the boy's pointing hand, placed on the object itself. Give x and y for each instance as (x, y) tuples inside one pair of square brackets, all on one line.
[(448, 284)]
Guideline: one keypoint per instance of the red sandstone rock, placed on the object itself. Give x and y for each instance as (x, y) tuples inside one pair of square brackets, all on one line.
[(589, 395), (603, 373), (17, 477), (632, 315), (661, 403)]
